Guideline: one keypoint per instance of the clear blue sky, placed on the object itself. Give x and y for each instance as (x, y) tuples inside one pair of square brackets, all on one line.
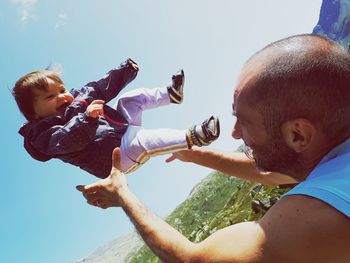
[(43, 218)]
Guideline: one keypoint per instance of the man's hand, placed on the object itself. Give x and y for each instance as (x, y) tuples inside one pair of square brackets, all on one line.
[(184, 156), (95, 108), (106, 193)]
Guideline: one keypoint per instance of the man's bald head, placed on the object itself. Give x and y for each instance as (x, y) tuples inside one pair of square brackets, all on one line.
[(304, 76)]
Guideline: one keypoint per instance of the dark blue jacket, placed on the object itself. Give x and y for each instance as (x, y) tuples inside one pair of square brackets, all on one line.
[(77, 138)]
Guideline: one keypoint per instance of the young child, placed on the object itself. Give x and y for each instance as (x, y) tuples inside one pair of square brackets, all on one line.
[(79, 128)]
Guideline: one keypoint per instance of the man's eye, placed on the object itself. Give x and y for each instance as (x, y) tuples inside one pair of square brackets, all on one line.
[(50, 97), (63, 91)]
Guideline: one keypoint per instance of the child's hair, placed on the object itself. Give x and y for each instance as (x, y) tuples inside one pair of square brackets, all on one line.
[(23, 90)]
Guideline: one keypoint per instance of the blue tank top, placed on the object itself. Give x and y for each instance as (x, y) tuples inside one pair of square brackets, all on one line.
[(330, 180)]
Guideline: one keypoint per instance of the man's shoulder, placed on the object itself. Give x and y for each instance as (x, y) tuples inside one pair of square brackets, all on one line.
[(305, 213), (296, 229), (307, 229)]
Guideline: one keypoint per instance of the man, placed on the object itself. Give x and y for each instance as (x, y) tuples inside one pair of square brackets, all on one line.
[(292, 107)]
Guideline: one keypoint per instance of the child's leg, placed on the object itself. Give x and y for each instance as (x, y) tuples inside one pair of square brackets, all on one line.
[(139, 144), (132, 103)]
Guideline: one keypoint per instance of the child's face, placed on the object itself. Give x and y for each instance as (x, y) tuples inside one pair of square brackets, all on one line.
[(52, 101)]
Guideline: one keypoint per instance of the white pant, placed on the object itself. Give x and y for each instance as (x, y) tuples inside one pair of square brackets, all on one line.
[(139, 144)]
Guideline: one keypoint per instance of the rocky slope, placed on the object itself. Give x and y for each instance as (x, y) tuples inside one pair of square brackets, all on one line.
[(334, 21), (115, 251)]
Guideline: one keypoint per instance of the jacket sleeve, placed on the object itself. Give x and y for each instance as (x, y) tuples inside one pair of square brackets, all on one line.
[(110, 85), (68, 138)]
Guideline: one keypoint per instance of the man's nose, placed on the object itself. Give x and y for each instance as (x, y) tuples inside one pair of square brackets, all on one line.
[(236, 131)]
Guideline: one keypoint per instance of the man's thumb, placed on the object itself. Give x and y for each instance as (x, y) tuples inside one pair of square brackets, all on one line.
[(116, 158)]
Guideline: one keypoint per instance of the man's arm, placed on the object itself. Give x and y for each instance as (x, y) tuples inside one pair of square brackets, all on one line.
[(235, 164), (232, 244), (165, 241), (296, 229), (240, 243)]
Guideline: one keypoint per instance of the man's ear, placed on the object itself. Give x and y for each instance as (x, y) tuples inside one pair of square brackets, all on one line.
[(298, 134)]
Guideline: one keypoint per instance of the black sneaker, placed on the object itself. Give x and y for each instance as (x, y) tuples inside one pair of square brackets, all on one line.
[(175, 89), (205, 133)]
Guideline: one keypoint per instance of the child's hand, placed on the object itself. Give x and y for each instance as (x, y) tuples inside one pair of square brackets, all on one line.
[(95, 108)]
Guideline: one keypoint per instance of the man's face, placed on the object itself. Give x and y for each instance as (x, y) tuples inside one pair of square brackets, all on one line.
[(267, 146), (52, 101)]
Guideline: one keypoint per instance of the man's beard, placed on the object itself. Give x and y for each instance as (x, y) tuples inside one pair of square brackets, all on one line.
[(276, 156)]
